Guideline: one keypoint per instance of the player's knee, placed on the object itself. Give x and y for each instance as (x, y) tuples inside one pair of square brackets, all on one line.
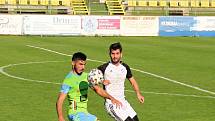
[(129, 119), (135, 118)]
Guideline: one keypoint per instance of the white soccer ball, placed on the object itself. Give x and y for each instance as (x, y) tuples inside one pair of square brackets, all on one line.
[(95, 77)]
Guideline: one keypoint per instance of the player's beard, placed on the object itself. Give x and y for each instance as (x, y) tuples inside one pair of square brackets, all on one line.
[(115, 60), (78, 72)]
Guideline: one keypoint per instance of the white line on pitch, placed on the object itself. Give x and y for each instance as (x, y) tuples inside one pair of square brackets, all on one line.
[(157, 76), (31, 80), (173, 94), (46, 82)]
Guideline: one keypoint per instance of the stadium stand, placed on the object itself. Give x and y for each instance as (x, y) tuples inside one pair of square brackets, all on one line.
[(33, 2), (171, 3), (44, 2), (204, 3), (194, 3), (66, 3), (142, 3), (79, 7), (163, 3), (153, 3), (169, 7), (184, 3), (174, 3), (23, 2), (115, 7), (2, 2), (132, 2), (213, 3), (11, 2), (54, 2)]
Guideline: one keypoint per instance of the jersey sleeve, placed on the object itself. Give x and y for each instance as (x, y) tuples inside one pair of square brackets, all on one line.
[(66, 86), (129, 73), (103, 67)]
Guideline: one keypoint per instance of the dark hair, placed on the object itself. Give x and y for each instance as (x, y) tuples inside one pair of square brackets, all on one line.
[(115, 46), (79, 56)]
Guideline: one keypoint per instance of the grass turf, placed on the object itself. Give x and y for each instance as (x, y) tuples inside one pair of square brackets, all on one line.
[(185, 59)]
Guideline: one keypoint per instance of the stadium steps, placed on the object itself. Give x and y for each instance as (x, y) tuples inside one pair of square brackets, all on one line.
[(79, 7), (115, 7)]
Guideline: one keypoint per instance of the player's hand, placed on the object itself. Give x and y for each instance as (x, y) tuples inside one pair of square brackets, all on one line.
[(106, 82), (140, 98), (116, 102)]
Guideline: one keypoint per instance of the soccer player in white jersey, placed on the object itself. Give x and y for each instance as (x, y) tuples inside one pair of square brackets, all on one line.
[(115, 73)]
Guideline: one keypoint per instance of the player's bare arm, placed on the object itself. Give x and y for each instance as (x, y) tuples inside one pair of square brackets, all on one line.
[(104, 94), (59, 106), (136, 89), (106, 82)]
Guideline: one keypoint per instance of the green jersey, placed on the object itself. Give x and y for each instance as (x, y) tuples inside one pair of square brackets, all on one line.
[(76, 87)]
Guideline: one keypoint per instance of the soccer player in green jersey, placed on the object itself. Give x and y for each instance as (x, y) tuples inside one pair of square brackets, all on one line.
[(75, 86)]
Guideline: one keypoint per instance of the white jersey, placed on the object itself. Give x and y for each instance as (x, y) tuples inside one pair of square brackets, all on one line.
[(117, 76)]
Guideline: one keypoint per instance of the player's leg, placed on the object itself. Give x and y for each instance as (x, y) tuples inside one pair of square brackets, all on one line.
[(135, 118), (128, 119), (130, 111), (117, 113)]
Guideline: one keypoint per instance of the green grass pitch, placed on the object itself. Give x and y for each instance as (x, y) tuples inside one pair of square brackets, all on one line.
[(185, 94)]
